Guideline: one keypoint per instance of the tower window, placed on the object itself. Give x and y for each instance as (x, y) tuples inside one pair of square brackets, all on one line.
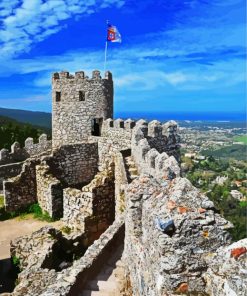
[(81, 96), (58, 96)]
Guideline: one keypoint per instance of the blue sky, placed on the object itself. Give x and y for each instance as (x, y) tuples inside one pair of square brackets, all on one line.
[(176, 56)]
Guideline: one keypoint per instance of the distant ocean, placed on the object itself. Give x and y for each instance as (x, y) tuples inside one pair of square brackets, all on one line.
[(199, 116)]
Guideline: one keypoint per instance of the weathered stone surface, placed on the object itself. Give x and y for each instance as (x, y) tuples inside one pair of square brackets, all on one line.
[(8, 171), (11, 162), (91, 209), (164, 261), (74, 164), (153, 153), (76, 101), (18, 153), (227, 270), (49, 191), (44, 281), (20, 191)]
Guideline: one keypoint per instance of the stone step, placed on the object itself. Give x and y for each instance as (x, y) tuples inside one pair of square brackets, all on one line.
[(102, 285)]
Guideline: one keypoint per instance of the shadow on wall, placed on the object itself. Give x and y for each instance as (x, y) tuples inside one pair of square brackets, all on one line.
[(8, 275)]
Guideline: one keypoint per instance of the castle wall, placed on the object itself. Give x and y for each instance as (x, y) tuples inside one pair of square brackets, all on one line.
[(9, 171), (21, 191), (91, 209), (116, 136), (155, 153), (11, 161), (49, 191), (74, 164), (43, 146), (71, 280), (170, 260), (18, 153), (80, 101), (121, 182)]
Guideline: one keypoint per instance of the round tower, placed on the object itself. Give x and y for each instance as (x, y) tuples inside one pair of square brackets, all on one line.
[(79, 106)]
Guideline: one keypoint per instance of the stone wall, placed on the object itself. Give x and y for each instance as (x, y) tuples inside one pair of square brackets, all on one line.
[(18, 154), (43, 146), (38, 279), (49, 191), (74, 164), (154, 153), (9, 171), (171, 229), (21, 191), (227, 270), (116, 136), (121, 182), (91, 209), (76, 101)]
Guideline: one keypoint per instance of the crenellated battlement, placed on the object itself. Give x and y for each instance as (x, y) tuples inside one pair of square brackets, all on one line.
[(118, 124), (79, 105), (96, 75), (146, 144), (18, 153)]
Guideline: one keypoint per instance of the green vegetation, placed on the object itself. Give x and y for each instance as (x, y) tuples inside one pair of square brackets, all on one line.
[(202, 174), (16, 261), (33, 209), (1, 201), (234, 151), (66, 229), (35, 118), (241, 139), (11, 131)]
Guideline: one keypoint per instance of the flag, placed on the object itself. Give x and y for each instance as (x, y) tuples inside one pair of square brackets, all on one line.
[(112, 34)]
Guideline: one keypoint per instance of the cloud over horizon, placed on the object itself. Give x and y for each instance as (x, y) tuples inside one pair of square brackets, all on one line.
[(175, 50)]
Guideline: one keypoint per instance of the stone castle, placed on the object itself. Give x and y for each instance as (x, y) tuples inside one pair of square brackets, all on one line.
[(117, 187)]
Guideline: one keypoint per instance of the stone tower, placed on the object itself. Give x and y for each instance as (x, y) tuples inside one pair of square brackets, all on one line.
[(79, 106)]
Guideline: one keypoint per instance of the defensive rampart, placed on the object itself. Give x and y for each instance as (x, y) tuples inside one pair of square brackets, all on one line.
[(11, 161), (148, 142), (18, 154)]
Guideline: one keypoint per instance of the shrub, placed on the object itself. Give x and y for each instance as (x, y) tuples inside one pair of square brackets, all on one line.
[(66, 229)]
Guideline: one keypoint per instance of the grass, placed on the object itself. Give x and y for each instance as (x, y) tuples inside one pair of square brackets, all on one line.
[(1, 201), (33, 211), (241, 139)]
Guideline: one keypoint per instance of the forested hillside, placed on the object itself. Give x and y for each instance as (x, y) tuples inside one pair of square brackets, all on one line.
[(34, 118), (12, 130)]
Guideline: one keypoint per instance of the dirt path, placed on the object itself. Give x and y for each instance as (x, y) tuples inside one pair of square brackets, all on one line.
[(14, 228)]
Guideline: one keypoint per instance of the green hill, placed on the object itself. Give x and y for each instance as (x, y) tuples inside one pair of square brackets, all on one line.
[(42, 119), (12, 130), (235, 151)]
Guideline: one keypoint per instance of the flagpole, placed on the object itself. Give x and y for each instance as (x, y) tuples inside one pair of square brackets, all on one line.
[(105, 55)]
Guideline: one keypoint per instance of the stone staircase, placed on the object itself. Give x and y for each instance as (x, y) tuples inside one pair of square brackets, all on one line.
[(131, 169), (108, 281)]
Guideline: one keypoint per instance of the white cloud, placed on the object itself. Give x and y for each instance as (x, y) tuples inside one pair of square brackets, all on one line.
[(26, 22)]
